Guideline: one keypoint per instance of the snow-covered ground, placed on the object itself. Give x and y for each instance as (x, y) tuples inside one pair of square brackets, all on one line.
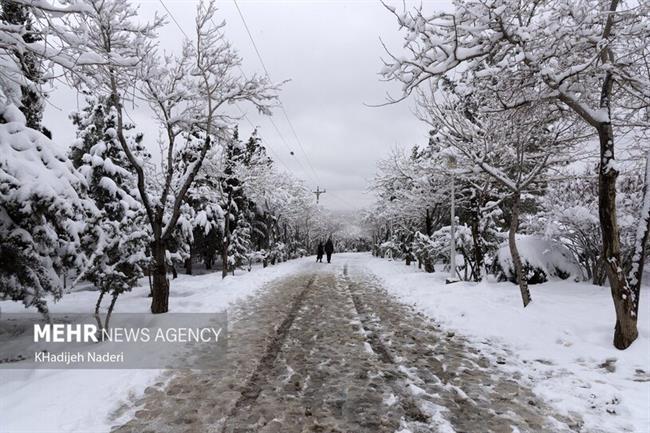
[(80, 401), (560, 345), (562, 342)]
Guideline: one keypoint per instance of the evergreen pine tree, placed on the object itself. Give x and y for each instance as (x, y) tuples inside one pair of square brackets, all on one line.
[(204, 198), (255, 156), (239, 246), (233, 199), (115, 243), (14, 13), (42, 213)]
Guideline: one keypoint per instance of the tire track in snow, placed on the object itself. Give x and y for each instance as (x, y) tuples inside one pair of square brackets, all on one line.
[(448, 378), (408, 403), (260, 375)]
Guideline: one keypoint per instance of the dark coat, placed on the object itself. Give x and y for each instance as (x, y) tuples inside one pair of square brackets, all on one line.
[(319, 250), (329, 247)]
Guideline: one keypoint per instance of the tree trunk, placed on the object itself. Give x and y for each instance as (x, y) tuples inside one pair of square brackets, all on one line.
[(160, 288), (99, 302), (188, 262), (224, 258), (589, 267), (625, 331), (188, 265), (477, 269), (149, 272), (226, 241), (599, 274), (109, 313), (514, 252)]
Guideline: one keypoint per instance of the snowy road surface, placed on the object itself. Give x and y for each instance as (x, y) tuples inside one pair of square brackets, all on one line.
[(328, 350)]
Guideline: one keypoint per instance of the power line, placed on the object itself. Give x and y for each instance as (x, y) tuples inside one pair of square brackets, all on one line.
[(174, 19), (237, 105), (315, 177), (250, 35), (241, 71), (291, 152), (277, 157), (298, 140), (342, 200), (284, 111)]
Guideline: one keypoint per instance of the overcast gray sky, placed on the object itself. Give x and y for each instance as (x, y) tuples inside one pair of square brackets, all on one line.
[(330, 50)]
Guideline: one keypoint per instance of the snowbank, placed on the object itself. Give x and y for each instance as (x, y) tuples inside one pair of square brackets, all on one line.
[(562, 341), (77, 401)]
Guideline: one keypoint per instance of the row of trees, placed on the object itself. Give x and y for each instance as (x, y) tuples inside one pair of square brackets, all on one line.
[(103, 208), (517, 94)]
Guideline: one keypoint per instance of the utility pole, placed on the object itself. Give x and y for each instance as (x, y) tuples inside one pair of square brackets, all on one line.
[(318, 192)]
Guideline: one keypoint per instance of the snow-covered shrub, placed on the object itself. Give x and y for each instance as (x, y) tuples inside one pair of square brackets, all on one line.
[(406, 245), (439, 247), (435, 248), (255, 257), (542, 259), (441, 239), (390, 249), (277, 253), (424, 250)]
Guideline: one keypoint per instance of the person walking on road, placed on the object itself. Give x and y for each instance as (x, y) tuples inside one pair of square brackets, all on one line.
[(319, 252), (329, 249)]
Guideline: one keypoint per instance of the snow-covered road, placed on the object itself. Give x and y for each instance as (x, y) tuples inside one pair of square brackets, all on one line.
[(328, 350)]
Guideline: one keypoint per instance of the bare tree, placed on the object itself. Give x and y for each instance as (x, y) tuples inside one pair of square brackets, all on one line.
[(589, 55), (514, 148), (188, 93), (204, 80)]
